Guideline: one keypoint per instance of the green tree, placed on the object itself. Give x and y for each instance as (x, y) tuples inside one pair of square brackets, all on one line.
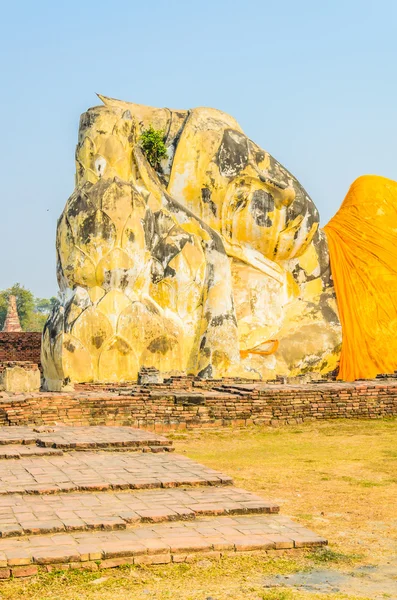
[(152, 144), (32, 311), (45, 305)]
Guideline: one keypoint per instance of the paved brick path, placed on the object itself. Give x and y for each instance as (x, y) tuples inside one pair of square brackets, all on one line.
[(109, 510), (177, 508), (103, 470)]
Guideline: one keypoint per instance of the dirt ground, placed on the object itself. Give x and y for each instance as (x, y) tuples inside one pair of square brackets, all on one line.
[(338, 478)]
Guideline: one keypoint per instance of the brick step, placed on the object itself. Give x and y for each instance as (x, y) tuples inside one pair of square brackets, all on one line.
[(17, 435), (158, 543), (35, 515), (100, 471), (83, 438), (20, 451)]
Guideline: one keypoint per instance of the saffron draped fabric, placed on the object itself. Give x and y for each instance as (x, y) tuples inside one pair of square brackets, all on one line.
[(362, 239)]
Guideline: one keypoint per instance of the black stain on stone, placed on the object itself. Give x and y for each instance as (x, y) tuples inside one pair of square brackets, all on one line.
[(210, 276), (54, 324), (97, 340), (232, 156), (68, 322), (241, 200), (156, 271), (92, 227), (79, 204), (152, 309), (216, 243), (149, 229), (207, 316), (167, 249), (301, 276), (163, 223), (303, 206), (206, 373), (321, 246), (206, 197), (218, 320), (169, 271), (87, 119), (124, 279), (161, 345), (130, 235), (168, 240), (262, 203), (328, 313)]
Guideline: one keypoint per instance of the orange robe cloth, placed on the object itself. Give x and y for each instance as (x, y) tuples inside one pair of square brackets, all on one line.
[(362, 239)]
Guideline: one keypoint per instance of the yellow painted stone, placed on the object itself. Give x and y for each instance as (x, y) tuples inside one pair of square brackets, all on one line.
[(117, 361), (18, 380), (210, 264)]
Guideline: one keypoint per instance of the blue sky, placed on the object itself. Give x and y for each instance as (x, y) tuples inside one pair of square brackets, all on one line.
[(314, 83)]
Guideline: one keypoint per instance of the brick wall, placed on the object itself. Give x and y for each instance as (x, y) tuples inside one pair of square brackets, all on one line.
[(20, 346), (204, 405)]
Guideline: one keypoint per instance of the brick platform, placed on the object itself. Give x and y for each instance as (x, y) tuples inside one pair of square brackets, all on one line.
[(186, 403), (188, 510), (25, 514)]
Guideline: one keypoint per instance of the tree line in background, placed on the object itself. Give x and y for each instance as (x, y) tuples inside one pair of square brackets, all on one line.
[(33, 312)]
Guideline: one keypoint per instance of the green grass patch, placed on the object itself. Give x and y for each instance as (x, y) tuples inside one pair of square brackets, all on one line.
[(328, 555)]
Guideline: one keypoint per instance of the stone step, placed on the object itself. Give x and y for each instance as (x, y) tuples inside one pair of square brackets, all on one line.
[(83, 438), (30, 515), (100, 471), (158, 543)]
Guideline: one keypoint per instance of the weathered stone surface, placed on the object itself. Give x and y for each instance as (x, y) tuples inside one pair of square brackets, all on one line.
[(213, 265), (19, 378)]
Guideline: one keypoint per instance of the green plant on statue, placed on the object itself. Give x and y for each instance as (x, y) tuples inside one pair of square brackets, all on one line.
[(152, 143)]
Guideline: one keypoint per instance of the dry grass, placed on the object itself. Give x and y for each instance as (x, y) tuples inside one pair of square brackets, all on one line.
[(339, 478), (234, 578)]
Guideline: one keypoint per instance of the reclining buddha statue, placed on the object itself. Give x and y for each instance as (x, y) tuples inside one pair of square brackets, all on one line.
[(209, 262)]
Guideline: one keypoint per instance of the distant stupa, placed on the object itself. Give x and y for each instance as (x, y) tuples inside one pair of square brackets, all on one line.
[(12, 322)]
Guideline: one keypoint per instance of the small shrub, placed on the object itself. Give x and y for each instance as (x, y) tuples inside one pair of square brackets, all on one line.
[(152, 143)]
